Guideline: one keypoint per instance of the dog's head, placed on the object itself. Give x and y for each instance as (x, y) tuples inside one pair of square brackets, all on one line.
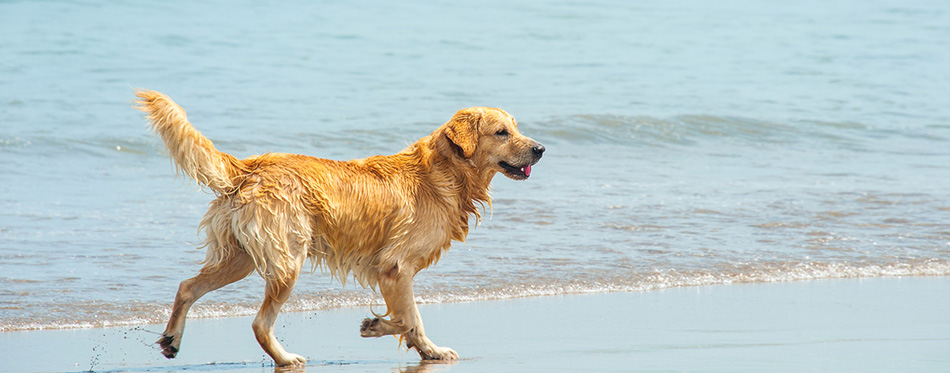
[(489, 138)]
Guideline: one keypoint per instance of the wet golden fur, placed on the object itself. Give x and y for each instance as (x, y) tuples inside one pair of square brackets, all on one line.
[(380, 219)]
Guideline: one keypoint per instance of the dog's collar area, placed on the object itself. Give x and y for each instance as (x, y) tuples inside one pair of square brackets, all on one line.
[(518, 172)]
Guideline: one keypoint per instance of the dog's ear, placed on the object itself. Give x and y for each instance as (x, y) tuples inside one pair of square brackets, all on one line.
[(462, 130)]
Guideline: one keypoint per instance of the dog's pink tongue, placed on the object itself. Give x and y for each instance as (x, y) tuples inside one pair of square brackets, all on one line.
[(527, 170)]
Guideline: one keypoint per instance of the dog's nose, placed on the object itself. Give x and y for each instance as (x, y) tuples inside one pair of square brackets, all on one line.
[(538, 150)]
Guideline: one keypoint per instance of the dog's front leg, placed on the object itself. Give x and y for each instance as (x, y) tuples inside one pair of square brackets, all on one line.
[(395, 285)]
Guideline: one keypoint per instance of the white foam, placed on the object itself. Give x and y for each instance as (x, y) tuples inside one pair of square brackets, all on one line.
[(657, 279)]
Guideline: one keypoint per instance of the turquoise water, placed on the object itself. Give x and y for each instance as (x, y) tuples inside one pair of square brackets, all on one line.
[(688, 143)]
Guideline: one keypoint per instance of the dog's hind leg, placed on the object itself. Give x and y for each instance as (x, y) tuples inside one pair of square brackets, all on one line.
[(211, 277), (395, 285), (276, 295)]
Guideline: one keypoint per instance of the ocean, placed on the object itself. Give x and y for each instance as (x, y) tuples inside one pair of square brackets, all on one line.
[(688, 143)]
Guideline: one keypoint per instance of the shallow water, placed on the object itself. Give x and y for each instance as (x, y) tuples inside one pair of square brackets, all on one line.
[(688, 143)]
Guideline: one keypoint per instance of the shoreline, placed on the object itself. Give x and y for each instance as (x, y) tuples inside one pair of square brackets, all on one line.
[(840, 324), (214, 306)]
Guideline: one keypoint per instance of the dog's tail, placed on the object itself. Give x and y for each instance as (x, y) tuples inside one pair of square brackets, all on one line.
[(193, 153)]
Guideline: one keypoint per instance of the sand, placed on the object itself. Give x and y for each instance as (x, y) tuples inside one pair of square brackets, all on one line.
[(880, 324)]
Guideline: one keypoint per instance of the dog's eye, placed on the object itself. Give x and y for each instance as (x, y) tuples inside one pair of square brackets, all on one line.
[(502, 132)]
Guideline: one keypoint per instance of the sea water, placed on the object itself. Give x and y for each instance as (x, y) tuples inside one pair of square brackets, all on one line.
[(689, 142)]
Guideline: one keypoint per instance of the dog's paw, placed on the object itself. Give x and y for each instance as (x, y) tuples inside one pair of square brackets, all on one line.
[(370, 328), (168, 345), (439, 353), (291, 360)]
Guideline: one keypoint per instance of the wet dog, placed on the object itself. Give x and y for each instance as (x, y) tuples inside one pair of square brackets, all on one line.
[(380, 219)]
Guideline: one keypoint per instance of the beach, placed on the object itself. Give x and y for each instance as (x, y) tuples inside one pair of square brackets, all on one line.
[(728, 186), (861, 325), (687, 145)]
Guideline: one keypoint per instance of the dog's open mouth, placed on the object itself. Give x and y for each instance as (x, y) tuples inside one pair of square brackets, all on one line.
[(516, 172)]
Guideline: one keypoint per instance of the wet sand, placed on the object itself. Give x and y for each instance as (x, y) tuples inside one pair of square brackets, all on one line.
[(879, 324)]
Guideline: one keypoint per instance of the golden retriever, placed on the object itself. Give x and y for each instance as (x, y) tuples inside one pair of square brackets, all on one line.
[(380, 219)]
